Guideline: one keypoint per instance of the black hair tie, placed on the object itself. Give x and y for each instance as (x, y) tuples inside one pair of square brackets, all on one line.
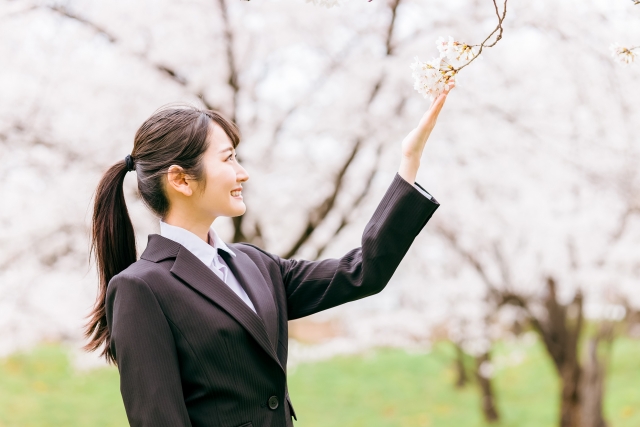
[(129, 162)]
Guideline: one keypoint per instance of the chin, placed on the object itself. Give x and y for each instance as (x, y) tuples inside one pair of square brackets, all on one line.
[(239, 211)]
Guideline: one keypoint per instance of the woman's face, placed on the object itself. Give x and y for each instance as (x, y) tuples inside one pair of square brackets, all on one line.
[(222, 195)]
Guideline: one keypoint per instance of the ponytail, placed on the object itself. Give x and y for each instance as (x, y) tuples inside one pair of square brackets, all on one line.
[(114, 245)]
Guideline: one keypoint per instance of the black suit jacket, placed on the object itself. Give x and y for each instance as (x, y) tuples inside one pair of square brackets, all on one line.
[(191, 353)]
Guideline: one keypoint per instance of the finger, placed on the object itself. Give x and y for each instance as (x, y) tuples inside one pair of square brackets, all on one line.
[(438, 103), (450, 86), (434, 110)]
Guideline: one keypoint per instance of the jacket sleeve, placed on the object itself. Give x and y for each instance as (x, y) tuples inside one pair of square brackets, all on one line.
[(144, 348), (313, 286)]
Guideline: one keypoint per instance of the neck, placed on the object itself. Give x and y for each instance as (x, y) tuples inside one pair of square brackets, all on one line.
[(197, 225)]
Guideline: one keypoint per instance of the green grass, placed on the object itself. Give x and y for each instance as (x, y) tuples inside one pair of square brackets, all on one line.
[(388, 388), (393, 388), (41, 389)]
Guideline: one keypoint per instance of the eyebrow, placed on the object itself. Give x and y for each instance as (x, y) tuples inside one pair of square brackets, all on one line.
[(226, 149)]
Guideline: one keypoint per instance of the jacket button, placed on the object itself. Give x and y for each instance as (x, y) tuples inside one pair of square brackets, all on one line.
[(273, 402)]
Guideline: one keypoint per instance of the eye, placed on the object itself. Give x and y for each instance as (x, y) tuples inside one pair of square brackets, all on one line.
[(230, 156)]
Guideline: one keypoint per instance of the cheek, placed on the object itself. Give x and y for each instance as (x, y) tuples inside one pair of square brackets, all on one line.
[(221, 181)]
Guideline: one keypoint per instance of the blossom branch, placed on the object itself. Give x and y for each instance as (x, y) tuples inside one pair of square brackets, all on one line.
[(499, 29), (434, 77)]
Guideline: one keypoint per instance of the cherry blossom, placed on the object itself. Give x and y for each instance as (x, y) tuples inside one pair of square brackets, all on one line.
[(431, 78), (456, 53), (623, 55)]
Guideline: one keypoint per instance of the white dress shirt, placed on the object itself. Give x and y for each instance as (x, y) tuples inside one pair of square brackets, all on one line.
[(424, 192), (208, 254)]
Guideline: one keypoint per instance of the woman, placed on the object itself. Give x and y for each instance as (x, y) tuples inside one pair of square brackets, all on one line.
[(198, 328)]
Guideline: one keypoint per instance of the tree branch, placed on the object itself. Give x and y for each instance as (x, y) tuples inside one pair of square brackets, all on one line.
[(317, 215), (161, 68), (313, 88), (344, 220), (452, 239), (394, 9), (232, 79), (499, 29), (61, 10)]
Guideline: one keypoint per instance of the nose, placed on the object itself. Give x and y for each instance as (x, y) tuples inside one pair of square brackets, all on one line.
[(241, 174)]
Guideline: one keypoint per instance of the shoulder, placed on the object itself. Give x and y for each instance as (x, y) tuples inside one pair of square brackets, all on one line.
[(252, 250), (137, 293), (141, 276), (257, 255)]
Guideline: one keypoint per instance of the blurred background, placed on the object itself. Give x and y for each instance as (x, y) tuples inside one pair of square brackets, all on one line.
[(517, 305)]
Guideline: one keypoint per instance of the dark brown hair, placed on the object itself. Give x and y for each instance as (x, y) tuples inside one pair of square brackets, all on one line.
[(173, 135)]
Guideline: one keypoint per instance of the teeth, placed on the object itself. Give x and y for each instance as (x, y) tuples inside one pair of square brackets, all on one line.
[(236, 193)]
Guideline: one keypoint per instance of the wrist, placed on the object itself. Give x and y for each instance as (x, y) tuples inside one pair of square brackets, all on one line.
[(409, 166), (412, 157)]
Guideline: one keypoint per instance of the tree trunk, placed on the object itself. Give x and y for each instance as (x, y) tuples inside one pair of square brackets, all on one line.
[(592, 381), (484, 375), (462, 378), (570, 397), (582, 386)]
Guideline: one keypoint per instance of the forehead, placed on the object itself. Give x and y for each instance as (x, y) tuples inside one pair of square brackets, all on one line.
[(218, 139)]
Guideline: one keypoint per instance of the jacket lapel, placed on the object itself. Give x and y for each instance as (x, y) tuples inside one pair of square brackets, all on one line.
[(253, 282), (198, 276)]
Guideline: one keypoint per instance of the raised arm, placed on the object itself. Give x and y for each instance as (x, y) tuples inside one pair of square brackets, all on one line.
[(313, 286), (144, 348), (403, 212)]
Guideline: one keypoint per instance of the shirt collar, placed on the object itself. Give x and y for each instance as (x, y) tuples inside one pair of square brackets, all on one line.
[(205, 252), (217, 242)]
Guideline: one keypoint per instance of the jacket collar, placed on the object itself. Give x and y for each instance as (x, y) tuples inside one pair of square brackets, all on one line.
[(204, 251), (187, 267)]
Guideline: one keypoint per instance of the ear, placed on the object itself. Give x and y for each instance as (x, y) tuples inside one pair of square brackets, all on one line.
[(179, 181)]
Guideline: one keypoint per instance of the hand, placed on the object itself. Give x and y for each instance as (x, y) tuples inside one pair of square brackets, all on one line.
[(413, 144)]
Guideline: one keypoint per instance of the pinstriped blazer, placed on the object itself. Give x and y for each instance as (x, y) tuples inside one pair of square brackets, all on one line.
[(191, 353)]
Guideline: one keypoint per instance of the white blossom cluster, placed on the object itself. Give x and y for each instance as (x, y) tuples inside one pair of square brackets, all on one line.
[(623, 55), (432, 78), (456, 53)]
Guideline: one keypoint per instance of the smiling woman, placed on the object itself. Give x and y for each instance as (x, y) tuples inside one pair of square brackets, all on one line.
[(198, 328), (173, 139)]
